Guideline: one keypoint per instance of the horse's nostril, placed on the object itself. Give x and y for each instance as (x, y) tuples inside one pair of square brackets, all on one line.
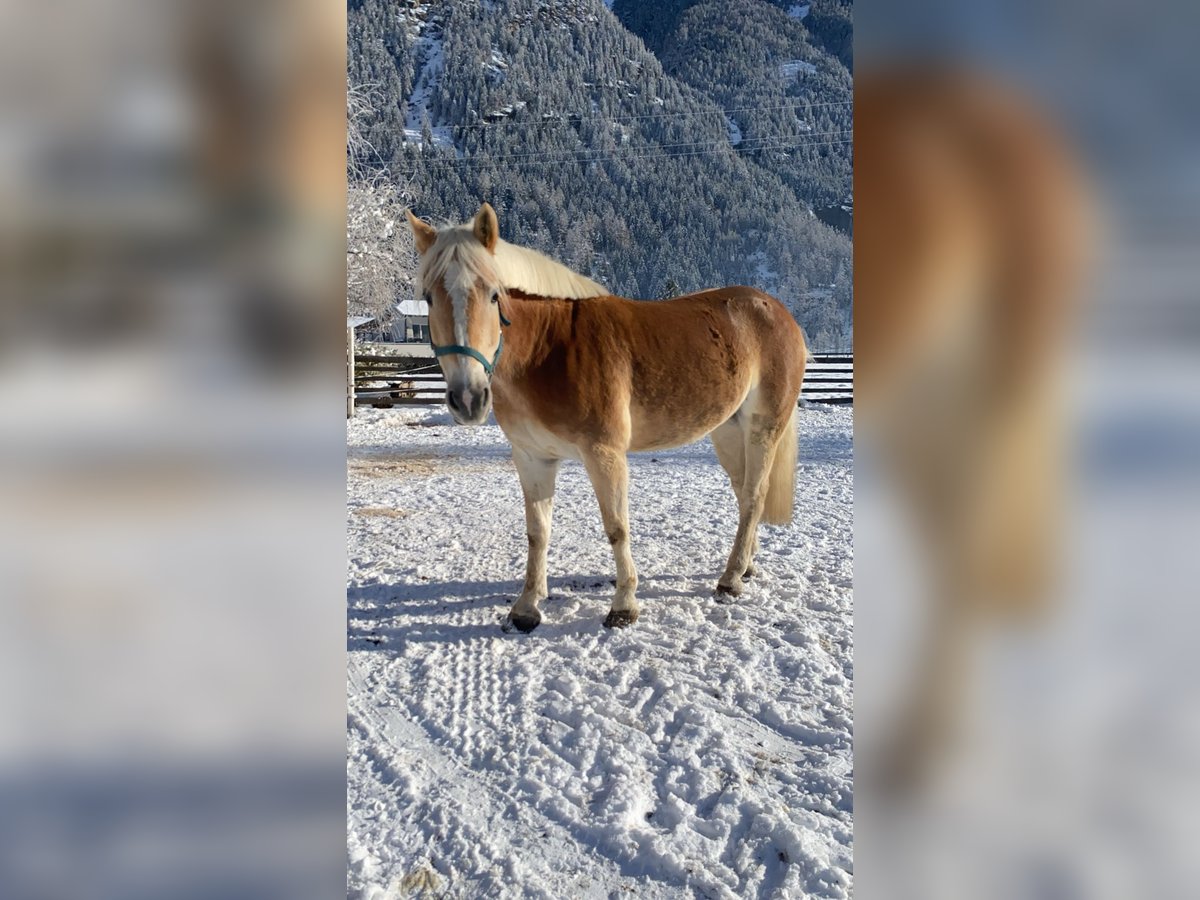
[(452, 399)]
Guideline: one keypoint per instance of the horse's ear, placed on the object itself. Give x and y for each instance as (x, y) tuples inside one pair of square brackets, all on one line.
[(423, 233), (487, 228)]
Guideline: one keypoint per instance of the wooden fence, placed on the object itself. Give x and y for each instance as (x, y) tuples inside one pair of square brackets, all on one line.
[(383, 381), (829, 378)]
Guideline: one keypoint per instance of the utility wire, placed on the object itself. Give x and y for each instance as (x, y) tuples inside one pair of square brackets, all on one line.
[(571, 118), (467, 163), (744, 144)]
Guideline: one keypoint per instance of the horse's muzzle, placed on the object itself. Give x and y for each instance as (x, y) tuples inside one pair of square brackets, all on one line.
[(469, 407)]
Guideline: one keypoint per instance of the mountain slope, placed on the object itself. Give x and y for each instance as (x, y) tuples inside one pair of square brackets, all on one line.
[(791, 98), (621, 163)]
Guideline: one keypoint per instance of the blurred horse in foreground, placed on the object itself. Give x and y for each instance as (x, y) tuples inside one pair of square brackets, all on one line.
[(971, 237)]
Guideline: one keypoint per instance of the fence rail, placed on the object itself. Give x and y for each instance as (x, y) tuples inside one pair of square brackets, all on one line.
[(383, 381), (829, 378)]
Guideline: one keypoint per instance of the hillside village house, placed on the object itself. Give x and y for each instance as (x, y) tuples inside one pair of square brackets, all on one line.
[(411, 322)]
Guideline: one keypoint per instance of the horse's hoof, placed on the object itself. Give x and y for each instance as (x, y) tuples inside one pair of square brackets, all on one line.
[(751, 571), (523, 624), (729, 590), (619, 618)]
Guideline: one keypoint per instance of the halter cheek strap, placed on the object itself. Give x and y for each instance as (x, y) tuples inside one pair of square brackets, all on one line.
[(460, 350)]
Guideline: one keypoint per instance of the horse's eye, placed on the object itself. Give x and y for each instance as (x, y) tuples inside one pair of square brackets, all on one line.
[(495, 296)]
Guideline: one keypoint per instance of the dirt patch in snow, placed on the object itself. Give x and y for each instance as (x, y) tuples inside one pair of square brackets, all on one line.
[(392, 465), (389, 466), (385, 512)]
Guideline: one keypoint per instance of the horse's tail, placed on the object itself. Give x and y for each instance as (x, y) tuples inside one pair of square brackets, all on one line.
[(781, 483)]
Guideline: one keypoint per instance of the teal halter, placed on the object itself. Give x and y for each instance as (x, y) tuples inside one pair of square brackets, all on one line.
[(460, 350)]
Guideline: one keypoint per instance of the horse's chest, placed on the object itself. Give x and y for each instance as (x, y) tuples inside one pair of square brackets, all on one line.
[(524, 432)]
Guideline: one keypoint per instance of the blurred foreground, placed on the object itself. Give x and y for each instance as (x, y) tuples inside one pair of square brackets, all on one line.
[(171, 532), (1028, 450)]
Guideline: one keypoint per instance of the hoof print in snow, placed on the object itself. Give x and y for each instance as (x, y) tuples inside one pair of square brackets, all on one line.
[(619, 618), (523, 624)]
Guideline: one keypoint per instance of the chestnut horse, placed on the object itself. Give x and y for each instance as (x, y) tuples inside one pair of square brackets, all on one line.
[(576, 373), (973, 231)]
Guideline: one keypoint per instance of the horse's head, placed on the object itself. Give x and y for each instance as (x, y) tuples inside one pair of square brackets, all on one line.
[(457, 278)]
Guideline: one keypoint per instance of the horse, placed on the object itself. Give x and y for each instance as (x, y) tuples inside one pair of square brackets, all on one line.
[(973, 229), (574, 372)]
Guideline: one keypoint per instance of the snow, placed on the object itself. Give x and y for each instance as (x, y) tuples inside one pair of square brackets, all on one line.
[(792, 69), (735, 132), (496, 68), (765, 277), (428, 47), (411, 306), (705, 750), (799, 10), (504, 112)]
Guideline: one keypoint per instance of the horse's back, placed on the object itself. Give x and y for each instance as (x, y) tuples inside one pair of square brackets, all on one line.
[(765, 330), (756, 315)]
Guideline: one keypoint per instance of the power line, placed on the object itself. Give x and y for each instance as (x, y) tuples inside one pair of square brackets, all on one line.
[(737, 151), (563, 118), (575, 154), (655, 153)]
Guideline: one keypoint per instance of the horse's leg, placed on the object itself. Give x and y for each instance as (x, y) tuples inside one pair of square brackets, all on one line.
[(609, 472), (933, 707), (762, 437), (537, 483), (730, 443)]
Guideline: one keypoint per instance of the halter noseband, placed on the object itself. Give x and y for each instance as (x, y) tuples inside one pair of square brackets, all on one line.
[(460, 350)]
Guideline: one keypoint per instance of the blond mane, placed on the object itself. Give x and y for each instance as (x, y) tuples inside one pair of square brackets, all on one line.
[(513, 267)]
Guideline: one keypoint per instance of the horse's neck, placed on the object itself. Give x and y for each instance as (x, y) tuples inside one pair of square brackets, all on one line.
[(537, 326)]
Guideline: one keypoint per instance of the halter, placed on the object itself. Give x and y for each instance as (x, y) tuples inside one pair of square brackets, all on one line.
[(460, 350)]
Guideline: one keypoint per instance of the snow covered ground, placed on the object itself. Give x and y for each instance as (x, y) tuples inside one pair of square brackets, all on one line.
[(705, 751)]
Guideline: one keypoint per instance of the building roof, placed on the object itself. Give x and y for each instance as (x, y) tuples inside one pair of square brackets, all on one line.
[(355, 321), (412, 307)]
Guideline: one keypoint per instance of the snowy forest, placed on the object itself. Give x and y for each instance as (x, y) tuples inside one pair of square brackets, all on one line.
[(657, 147)]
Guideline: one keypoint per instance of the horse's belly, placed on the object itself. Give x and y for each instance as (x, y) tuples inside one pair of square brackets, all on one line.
[(672, 425)]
